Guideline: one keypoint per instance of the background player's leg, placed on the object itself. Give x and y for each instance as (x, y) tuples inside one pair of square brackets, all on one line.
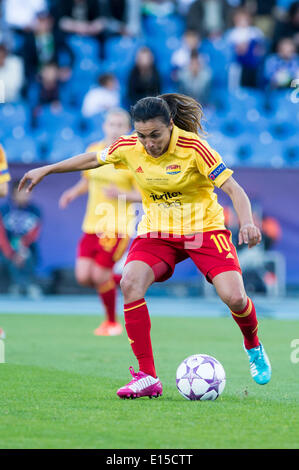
[(83, 271), (105, 285), (230, 288), (137, 277)]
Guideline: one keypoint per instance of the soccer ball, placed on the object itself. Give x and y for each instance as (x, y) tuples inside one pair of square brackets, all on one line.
[(200, 377)]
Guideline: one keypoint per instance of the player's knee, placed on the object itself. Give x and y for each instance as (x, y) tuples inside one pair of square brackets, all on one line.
[(131, 288), (236, 300), (84, 279)]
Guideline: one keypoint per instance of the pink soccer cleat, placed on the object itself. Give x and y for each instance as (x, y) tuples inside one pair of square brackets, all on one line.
[(108, 328), (142, 385)]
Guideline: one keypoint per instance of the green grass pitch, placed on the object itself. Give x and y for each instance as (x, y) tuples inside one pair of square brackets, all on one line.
[(59, 382)]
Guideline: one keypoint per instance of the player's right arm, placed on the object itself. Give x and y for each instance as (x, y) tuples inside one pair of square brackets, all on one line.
[(73, 192), (84, 161)]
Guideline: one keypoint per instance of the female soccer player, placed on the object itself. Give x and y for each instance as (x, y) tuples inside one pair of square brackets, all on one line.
[(101, 246), (176, 170), (4, 179)]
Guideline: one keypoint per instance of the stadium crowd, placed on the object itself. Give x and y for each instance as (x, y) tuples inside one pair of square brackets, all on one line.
[(64, 64)]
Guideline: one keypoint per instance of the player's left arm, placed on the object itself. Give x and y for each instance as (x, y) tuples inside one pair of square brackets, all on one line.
[(249, 233), (210, 164)]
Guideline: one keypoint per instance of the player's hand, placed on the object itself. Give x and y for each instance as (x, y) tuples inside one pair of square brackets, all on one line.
[(66, 198), (33, 177), (250, 234)]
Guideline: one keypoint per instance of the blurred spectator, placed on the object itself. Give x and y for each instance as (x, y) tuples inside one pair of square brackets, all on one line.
[(181, 57), (144, 79), (195, 79), (44, 45), (103, 97), (158, 8), (283, 67), (263, 15), (183, 6), (79, 17), (287, 27), (248, 45), (121, 16), (20, 15), (11, 74), (20, 229), (49, 84), (5, 32), (100, 19), (208, 17)]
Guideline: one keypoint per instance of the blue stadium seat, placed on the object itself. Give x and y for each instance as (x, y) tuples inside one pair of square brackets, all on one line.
[(84, 46), (225, 146), (219, 58), (66, 145), (56, 119), (92, 124), (291, 151), (22, 149), (13, 114), (282, 129), (172, 25), (267, 152)]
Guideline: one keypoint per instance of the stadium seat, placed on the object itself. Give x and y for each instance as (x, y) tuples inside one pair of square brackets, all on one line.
[(66, 145), (83, 46), (171, 25), (13, 114), (22, 149), (291, 152), (225, 146), (55, 119), (282, 129), (267, 152)]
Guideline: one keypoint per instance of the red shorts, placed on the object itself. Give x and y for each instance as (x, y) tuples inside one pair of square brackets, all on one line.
[(104, 251), (212, 252)]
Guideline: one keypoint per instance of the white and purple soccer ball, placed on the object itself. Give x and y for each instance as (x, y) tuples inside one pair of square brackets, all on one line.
[(200, 377)]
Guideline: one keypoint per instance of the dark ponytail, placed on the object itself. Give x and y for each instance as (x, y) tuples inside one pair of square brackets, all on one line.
[(185, 112)]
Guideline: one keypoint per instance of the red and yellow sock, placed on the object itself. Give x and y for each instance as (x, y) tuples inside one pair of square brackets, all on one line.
[(138, 326), (107, 293), (248, 324)]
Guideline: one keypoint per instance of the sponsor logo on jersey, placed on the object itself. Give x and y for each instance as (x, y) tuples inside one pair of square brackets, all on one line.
[(4, 172), (139, 170), (104, 154), (220, 168), (165, 196), (173, 169)]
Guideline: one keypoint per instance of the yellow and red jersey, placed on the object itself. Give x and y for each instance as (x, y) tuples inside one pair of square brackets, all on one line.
[(103, 214), (4, 173), (178, 187)]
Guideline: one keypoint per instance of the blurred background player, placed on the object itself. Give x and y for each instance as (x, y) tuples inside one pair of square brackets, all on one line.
[(20, 226), (103, 242), (4, 179)]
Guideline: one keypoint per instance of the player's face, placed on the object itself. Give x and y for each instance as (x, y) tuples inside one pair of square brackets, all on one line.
[(154, 135), (115, 126)]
